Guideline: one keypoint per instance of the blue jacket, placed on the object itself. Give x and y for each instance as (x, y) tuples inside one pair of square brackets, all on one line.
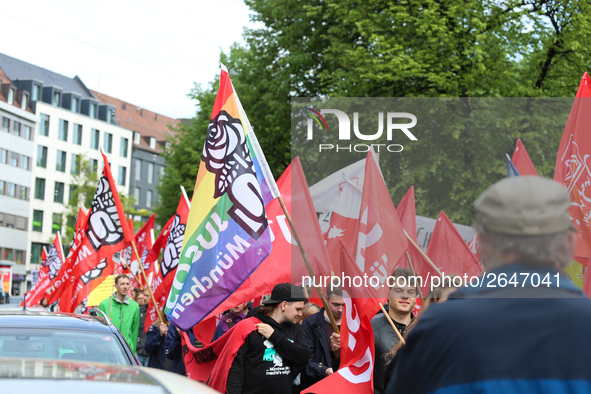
[(504, 339), (154, 346), (174, 351), (314, 328)]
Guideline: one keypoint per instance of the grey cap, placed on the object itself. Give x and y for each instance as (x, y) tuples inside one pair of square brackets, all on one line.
[(523, 205)]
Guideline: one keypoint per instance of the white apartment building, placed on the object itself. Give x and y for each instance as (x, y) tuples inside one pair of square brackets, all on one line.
[(72, 122), (17, 129)]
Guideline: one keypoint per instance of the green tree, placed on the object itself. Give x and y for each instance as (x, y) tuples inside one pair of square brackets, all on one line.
[(403, 48)]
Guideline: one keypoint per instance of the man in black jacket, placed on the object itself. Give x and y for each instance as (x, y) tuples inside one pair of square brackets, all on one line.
[(323, 342), (271, 357)]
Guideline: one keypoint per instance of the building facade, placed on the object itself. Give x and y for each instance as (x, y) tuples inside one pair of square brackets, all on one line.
[(72, 122), (17, 147), (150, 133)]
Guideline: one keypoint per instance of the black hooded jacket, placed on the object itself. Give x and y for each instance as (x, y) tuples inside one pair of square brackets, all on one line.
[(268, 366)]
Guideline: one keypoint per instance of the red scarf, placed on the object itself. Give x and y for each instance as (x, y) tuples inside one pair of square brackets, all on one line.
[(210, 365)]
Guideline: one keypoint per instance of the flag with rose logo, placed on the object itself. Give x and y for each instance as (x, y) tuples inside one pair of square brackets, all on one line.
[(227, 234)]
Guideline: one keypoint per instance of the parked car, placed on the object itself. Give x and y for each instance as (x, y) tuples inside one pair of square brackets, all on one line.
[(62, 336), (26, 375)]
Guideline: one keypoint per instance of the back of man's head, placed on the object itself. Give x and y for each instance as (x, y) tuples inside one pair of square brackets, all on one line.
[(524, 219)]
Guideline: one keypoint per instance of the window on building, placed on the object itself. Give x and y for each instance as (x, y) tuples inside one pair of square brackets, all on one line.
[(19, 256), (148, 198), (27, 133), (24, 102), (56, 223), (60, 162), (1, 219), (136, 137), (8, 253), (3, 155), (123, 147), (16, 128), (77, 136), (93, 110), (108, 142), (25, 162), (93, 165), (122, 175), (44, 125), (10, 96), (167, 145), (162, 171), (12, 190), (136, 194), (56, 99), (73, 197), (138, 169), (62, 133), (152, 142), (75, 104), (41, 156), (58, 194), (21, 223), (35, 93), (22, 193), (94, 138), (75, 165), (38, 221), (109, 115), (9, 220), (40, 188), (14, 159), (150, 173), (2, 183), (5, 124)]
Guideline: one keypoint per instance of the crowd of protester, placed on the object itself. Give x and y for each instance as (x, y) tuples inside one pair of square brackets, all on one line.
[(295, 345)]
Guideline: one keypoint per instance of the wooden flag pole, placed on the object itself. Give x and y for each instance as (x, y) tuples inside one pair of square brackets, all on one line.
[(392, 323), (415, 275), (333, 322), (127, 267), (423, 253), (139, 261)]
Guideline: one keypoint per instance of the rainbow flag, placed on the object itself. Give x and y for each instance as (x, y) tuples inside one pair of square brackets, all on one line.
[(227, 234)]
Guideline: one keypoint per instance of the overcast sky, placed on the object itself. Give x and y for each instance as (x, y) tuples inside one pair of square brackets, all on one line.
[(145, 52)]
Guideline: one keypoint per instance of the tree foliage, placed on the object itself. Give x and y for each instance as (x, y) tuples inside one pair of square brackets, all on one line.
[(404, 48)]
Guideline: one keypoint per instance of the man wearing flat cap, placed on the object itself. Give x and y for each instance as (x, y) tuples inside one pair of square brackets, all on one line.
[(272, 355), (522, 327)]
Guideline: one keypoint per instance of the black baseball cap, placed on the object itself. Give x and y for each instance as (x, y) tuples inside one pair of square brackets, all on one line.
[(285, 292)]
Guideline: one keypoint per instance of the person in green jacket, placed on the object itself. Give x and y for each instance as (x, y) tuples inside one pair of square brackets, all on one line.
[(124, 312)]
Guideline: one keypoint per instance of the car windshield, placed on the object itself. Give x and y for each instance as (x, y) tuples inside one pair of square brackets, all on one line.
[(62, 345)]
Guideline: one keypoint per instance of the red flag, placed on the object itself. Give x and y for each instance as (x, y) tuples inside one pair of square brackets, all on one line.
[(448, 250), (54, 261), (344, 223), (521, 160), (211, 364), (57, 286), (152, 259), (408, 218), (572, 169), (381, 241), (355, 374), (174, 231), (106, 232), (143, 244), (407, 213)]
